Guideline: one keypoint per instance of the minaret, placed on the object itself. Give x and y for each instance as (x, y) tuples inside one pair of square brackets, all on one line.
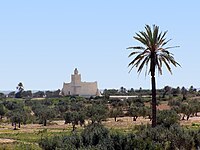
[(76, 82), (76, 78)]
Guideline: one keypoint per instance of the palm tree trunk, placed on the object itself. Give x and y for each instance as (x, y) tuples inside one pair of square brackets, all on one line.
[(153, 83)]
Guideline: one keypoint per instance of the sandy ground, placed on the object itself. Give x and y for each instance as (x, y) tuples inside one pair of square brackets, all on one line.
[(5, 141)]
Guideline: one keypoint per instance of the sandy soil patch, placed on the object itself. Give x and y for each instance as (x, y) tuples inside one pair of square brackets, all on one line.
[(125, 122), (163, 107), (5, 141), (191, 120)]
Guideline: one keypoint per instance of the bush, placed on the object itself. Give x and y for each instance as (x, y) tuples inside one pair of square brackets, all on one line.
[(167, 118), (94, 134), (72, 141), (51, 143)]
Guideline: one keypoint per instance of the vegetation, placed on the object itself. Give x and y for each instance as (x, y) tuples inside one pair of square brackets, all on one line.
[(97, 137), (102, 122), (152, 55)]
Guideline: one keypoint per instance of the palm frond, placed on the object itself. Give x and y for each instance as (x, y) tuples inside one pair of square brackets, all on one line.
[(141, 39), (137, 60), (159, 36), (149, 34), (164, 43), (136, 47), (155, 34), (142, 64), (147, 63), (164, 51), (162, 38), (158, 65), (166, 64), (133, 53), (172, 60), (147, 39), (131, 69), (172, 47)]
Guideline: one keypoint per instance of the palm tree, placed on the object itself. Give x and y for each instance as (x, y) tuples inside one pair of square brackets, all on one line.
[(153, 54), (20, 86), (19, 91)]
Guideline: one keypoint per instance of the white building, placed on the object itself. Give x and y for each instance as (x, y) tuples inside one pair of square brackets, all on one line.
[(79, 88)]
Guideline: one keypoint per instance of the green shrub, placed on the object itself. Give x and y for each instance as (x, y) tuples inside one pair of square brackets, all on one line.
[(94, 134), (167, 118), (50, 143)]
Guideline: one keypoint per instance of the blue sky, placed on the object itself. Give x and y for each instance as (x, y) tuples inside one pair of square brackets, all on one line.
[(42, 41)]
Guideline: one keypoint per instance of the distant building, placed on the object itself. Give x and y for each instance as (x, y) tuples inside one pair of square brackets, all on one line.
[(79, 88)]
